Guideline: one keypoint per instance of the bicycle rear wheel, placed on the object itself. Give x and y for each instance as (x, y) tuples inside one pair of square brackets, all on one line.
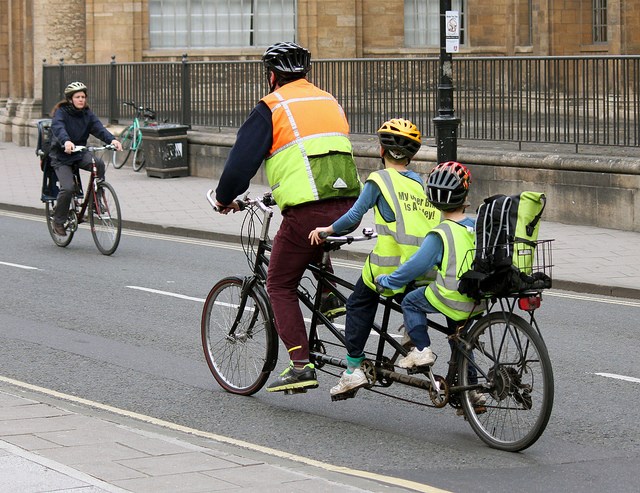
[(512, 364), (121, 157), (241, 348), (61, 241), (104, 217)]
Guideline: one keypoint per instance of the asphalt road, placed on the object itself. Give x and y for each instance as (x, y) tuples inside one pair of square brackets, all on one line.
[(124, 331)]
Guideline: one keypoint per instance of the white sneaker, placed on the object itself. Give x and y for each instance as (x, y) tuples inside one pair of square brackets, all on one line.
[(417, 357), (349, 382)]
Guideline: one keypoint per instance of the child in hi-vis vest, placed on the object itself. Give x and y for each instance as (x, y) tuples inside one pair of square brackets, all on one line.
[(403, 217), (444, 248)]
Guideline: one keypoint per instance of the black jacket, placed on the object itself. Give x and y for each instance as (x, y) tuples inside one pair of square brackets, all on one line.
[(75, 125)]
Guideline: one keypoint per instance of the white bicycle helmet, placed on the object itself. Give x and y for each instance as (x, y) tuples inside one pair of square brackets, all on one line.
[(73, 88)]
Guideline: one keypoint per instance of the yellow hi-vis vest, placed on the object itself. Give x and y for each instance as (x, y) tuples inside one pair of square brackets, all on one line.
[(400, 239), (443, 293), (311, 156)]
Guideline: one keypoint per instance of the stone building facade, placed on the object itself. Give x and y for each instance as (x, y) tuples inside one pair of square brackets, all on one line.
[(93, 31)]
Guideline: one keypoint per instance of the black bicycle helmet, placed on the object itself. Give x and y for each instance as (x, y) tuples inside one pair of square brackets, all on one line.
[(288, 60), (448, 185), (73, 88), (400, 138)]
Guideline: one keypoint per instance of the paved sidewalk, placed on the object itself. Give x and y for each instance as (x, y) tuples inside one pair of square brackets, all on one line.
[(49, 443)]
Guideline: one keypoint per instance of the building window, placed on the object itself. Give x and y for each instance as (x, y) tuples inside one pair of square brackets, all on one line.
[(220, 23), (599, 21), (422, 22)]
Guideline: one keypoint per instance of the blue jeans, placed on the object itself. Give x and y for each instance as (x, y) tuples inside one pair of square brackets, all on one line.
[(415, 308), (361, 314)]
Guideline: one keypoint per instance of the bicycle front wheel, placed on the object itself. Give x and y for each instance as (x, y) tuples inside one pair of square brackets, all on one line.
[(511, 363), (239, 341), (121, 157), (138, 155), (61, 241), (104, 217)]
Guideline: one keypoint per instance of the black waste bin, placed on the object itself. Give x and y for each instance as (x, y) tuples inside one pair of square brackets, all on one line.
[(165, 150)]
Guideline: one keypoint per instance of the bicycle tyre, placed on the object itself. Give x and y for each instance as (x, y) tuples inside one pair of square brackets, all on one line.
[(61, 241), (240, 362), (120, 158), (513, 361), (138, 158), (104, 218), (138, 154)]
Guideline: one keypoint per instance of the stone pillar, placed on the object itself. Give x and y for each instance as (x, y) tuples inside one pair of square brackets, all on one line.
[(37, 30)]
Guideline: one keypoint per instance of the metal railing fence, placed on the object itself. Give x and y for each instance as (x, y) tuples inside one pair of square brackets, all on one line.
[(557, 100)]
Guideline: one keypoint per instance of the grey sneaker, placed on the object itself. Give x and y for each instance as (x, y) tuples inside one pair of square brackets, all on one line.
[(349, 382), (417, 357), (294, 379), (477, 399)]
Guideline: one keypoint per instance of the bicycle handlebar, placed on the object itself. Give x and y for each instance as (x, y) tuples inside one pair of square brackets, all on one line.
[(106, 147), (367, 234), (263, 203), (145, 111)]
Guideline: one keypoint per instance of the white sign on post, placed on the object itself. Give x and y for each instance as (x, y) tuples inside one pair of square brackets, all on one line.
[(452, 31)]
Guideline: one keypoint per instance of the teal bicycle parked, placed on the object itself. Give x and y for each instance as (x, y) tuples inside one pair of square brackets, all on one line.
[(131, 138)]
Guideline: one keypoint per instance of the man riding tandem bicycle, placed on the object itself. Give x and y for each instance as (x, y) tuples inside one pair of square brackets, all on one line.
[(499, 374)]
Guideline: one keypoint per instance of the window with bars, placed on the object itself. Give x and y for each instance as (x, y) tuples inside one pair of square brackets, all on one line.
[(422, 22), (220, 23), (600, 21)]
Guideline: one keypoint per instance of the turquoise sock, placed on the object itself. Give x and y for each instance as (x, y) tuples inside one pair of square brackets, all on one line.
[(353, 363)]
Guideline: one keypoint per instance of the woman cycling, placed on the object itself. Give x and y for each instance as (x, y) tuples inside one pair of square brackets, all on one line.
[(72, 124)]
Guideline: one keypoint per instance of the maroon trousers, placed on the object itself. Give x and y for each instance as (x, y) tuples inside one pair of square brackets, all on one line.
[(290, 254)]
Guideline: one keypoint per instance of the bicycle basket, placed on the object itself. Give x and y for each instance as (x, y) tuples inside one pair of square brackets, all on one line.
[(506, 269)]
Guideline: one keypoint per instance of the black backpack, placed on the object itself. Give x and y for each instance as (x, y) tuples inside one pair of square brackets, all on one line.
[(505, 260)]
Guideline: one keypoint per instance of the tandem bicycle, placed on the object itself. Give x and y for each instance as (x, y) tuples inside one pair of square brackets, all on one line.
[(500, 355)]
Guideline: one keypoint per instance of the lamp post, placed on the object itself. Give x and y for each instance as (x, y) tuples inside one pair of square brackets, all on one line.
[(446, 124)]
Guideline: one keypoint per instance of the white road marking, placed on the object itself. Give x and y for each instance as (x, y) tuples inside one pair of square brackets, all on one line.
[(412, 485), (619, 377), (19, 266), (167, 293), (591, 298)]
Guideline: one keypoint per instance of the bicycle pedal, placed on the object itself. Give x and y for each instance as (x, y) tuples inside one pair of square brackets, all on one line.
[(424, 370), (349, 394), (294, 391)]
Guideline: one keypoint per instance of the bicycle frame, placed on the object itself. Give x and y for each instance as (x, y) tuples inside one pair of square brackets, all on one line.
[(81, 206)]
